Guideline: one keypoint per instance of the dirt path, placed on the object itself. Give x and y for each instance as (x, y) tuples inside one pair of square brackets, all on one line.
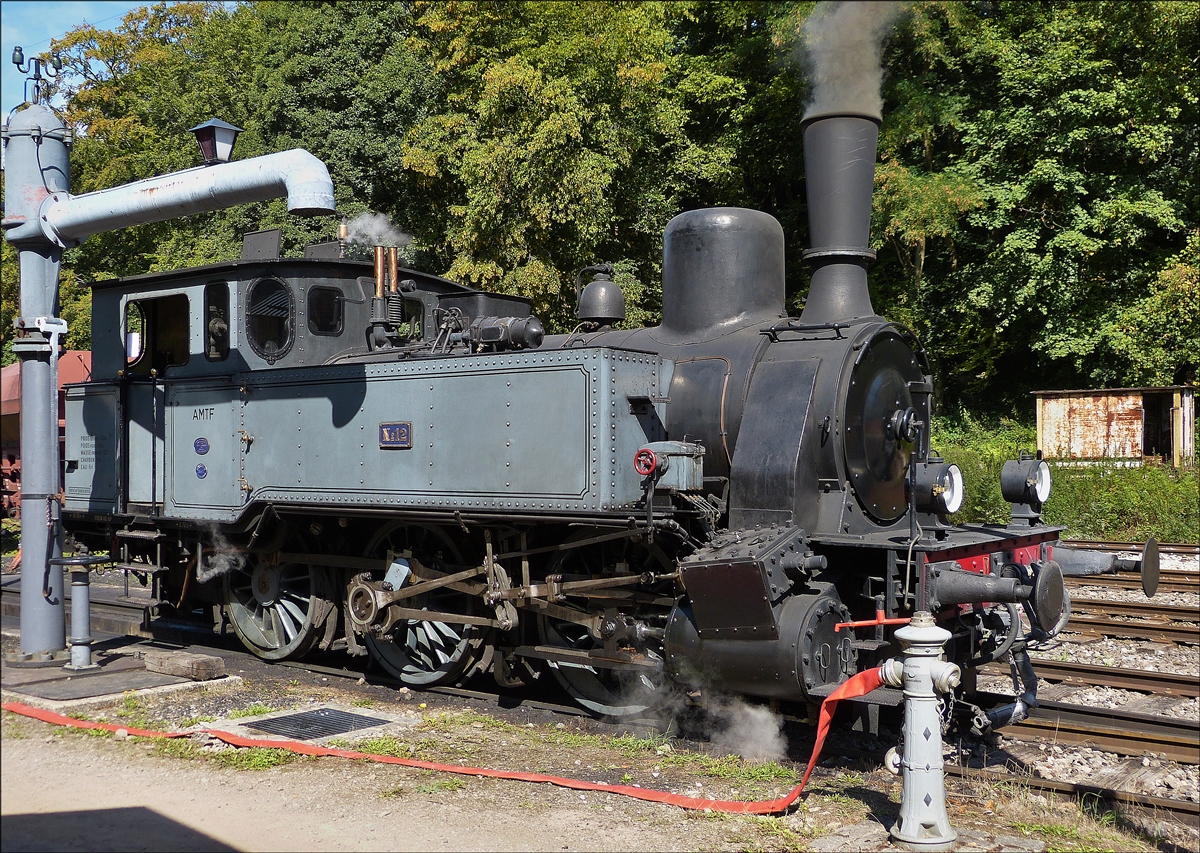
[(140, 802)]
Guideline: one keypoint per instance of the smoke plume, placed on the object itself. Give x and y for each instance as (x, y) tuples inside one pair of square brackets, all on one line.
[(732, 725), (842, 48), (219, 557), (751, 731), (375, 229)]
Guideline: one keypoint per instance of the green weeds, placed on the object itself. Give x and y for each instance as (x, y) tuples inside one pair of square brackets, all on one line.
[(254, 710), (177, 747), (1101, 501), (450, 783), (188, 722), (253, 758)]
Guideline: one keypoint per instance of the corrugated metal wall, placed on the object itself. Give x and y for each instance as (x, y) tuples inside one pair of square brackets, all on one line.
[(1091, 426), (1112, 424)]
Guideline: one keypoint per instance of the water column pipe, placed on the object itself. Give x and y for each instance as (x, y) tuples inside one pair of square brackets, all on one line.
[(36, 164), (41, 219), (923, 822)]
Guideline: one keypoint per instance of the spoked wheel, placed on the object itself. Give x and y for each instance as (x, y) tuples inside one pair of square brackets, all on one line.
[(275, 610), (427, 653), (614, 693)]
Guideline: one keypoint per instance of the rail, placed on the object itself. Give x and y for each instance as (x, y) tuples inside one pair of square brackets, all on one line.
[(1092, 675), (1108, 729), (1185, 548)]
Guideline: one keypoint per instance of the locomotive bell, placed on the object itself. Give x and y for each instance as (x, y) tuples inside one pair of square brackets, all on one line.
[(601, 301)]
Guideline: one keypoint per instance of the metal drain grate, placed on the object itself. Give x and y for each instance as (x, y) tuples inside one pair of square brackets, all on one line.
[(311, 725)]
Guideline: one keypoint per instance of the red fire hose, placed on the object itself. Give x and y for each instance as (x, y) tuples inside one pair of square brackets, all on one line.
[(858, 685)]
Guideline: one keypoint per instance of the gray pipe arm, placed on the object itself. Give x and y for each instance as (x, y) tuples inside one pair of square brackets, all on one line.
[(67, 220)]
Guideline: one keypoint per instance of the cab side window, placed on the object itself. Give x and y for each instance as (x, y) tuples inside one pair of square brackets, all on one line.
[(270, 318), (216, 321), (325, 310), (156, 334)]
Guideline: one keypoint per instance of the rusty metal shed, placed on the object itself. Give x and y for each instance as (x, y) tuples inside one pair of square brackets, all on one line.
[(1133, 425)]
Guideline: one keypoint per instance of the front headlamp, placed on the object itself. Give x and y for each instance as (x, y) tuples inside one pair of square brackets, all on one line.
[(938, 487), (1025, 481)]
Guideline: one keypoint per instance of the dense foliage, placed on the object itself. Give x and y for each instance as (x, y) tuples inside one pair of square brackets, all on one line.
[(1036, 200)]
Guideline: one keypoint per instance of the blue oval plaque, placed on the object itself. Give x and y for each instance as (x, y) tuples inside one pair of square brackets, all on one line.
[(201, 446), (201, 471)]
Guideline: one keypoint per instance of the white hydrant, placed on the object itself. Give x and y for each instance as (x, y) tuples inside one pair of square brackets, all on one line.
[(923, 824)]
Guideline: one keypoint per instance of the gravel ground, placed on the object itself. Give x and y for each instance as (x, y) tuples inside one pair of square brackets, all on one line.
[(370, 798), (1080, 764), (1127, 654)]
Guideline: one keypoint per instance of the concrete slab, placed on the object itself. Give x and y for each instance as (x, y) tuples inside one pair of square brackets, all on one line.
[(393, 723), (66, 706), (103, 684), (15, 677)]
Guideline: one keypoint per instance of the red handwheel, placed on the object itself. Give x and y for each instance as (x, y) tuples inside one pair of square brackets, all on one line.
[(644, 462)]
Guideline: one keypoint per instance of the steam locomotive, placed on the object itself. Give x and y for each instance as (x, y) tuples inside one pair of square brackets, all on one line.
[(351, 455)]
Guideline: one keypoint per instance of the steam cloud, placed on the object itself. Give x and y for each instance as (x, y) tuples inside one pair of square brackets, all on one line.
[(732, 725), (751, 731), (375, 229), (843, 47), (220, 557)]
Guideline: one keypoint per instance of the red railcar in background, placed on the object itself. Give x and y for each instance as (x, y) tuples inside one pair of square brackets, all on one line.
[(73, 366)]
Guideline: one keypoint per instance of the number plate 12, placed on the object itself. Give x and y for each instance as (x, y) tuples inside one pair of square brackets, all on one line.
[(395, 436)]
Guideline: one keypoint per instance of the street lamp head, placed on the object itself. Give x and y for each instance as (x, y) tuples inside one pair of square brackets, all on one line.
[(216, 139)]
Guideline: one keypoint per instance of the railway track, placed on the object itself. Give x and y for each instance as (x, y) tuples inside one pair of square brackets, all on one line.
[(1169, 581), (1135, 609), (1156, 622), (111, 610), (1155, 631), (1125, 734), (1090, 675), (1108, 729), (1180, 811), (1185, 548)]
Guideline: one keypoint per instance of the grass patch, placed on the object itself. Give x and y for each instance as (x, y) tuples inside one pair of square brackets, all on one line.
[(14, 725), (363, 702), (775, 827), (384, 745), (132, 713), (738, 772), (1052, 829), (458, 719), (252, 758), (632, 744), (188, 722), (177, 747), (254, 710), (1102, 501), (450, 783)]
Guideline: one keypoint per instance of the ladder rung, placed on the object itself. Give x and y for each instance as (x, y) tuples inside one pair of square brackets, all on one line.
[(149, 535)]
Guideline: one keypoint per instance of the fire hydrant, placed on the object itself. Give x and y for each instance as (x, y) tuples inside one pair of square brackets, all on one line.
[(923, 824)]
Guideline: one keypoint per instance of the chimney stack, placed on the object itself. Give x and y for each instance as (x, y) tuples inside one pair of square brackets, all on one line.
[(839, 170)]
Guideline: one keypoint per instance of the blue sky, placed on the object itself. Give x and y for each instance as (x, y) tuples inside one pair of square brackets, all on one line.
[(33, 24)]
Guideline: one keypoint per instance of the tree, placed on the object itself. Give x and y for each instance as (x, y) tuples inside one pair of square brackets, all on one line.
[(1065, 136), (552, 146), (1038, 174)]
